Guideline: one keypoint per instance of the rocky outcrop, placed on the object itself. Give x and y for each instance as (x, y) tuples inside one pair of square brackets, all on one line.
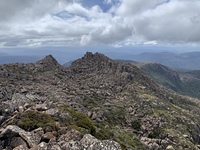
[(13, 137), (5, 93), (46, 64), (90, 103)]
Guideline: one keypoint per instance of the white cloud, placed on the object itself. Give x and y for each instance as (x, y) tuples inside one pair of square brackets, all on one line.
[(170, 23), (128, 22)]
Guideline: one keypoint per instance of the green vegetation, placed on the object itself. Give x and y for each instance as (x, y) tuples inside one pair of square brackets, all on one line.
[(79, 119), (155, 133), (104, 134), (106, 129), (136, 125), (116, 115), (31, 120), (127, 140)]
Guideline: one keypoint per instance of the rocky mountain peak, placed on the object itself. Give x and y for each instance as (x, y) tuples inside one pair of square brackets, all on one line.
[(49, 59), (97, 57), (92, 63), (47, 63)]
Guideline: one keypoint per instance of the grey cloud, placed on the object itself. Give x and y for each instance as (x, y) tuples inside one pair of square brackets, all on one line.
[(67, 22), (8, 8), (17, 10)]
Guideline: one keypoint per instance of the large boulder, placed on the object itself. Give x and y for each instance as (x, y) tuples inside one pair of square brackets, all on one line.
[(14, 136)]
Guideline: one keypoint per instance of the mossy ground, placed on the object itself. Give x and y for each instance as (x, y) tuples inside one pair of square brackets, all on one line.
[(31, 120)]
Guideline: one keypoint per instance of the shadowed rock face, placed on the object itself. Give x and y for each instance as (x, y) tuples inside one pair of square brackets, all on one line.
[(96, 103)]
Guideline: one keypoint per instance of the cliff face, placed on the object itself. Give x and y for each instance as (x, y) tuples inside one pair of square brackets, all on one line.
[(96, 103)]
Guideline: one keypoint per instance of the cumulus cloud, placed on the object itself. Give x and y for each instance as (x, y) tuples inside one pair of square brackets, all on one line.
[(164, 21), (72, 22)]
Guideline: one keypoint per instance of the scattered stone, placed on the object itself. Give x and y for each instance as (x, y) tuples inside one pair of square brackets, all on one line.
[(170, 147), (70, 135), (47, 136), (91, 143), (38, 131), (21, 147)]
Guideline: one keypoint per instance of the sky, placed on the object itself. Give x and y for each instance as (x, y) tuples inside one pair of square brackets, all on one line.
[(108, 24)]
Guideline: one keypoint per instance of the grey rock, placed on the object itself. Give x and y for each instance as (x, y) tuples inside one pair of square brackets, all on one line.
[(47, 136), (5, 94), (21, 147), (91, 143), (70, 135), (17, 141), (1, 119), (170, 147), (38, 131), (52, 111), (72, 145), (55, 147), (12, 131), (41, 107), (43, 146)]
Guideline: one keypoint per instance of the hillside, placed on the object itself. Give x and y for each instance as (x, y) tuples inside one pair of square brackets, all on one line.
[(96, 103), (184, 82)]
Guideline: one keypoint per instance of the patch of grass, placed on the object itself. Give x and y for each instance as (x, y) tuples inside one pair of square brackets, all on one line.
[(80, 120), (136, 125), (115, 116), (104, 134), (31, 120), (155, 133), (127, 140)]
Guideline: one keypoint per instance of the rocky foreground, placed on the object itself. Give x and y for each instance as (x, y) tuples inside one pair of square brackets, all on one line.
[(94, 104)]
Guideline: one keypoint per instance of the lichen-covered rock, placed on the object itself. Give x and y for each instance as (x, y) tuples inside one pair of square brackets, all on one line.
[(170, 147), (38, 131), (12, 131), (5, 94), (55, 147), (70, 135), (47, 136), (16, 141), (21, 147), (91, 143)]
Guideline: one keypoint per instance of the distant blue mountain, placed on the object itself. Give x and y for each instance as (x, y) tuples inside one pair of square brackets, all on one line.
[(190, 60), (5, 59)]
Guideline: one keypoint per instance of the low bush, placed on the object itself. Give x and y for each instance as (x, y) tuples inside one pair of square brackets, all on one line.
[(31, 120)]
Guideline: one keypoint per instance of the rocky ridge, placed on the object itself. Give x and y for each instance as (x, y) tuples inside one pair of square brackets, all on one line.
[(96, 103), (184, 82)]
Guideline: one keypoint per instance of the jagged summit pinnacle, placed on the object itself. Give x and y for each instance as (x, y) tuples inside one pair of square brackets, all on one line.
[(96, 57), (47, 59), (47, 63), (91, 62)]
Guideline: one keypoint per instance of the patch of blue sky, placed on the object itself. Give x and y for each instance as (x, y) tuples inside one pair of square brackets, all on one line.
[(90, 3), (64, 15)]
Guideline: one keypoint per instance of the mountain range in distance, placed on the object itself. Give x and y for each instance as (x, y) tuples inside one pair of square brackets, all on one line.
[(182, 61)]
